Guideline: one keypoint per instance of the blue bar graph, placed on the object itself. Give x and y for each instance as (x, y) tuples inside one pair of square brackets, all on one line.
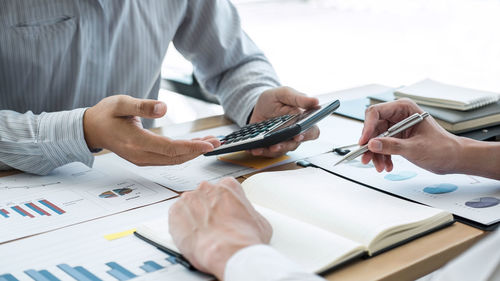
[(8, 277), (42, 275), (32, 207), (119, 272), (48, 275), (171, 259), (4, 213), (151, 266), (87, 273), (18, 211), (51, 206), (76, 274)]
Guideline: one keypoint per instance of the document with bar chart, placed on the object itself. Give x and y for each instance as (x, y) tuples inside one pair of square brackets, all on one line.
[(84, 252), (74, 193)]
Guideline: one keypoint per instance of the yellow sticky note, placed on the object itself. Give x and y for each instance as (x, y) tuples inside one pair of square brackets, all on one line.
[(118, 235), (246, 159)]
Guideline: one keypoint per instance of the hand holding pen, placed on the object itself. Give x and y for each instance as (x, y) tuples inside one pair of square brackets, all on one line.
[(420, 144)]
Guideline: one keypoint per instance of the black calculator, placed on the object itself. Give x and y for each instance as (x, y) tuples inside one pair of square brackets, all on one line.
[(273, 131)]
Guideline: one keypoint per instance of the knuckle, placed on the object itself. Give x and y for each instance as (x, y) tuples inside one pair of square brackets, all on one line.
[(175, 208), (395, 146), (230, 182), (140, 108), (186, 196), (205, 186)]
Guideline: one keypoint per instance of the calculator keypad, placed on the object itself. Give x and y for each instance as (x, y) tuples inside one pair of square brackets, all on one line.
[(254, 130)]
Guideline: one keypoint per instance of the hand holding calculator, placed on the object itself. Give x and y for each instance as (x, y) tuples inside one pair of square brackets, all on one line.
[(273, 131)]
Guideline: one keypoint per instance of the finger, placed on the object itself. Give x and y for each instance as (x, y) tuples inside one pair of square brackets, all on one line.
[(367, 157), (128, 106), (146, 158), (168, 147), (389, 111), (277, 149), (293, 98), (213, 140), (388, 145), (388, 163), (311, 134), (378, 162), (232, 184)]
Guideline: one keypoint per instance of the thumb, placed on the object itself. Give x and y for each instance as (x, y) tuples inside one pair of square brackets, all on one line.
[(294, 98), (388, 146), (129, 106)]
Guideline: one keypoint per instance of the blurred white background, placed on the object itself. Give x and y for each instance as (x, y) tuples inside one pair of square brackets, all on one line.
[(319, 46)]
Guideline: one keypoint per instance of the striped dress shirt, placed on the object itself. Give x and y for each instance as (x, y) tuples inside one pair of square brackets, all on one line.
[(59, 57)]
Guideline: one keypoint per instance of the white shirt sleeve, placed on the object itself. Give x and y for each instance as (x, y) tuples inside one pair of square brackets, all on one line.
[(226, 61), (262, 262), (40, 143)]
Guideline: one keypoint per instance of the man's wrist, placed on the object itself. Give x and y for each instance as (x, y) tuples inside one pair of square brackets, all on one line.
[(220, 253)]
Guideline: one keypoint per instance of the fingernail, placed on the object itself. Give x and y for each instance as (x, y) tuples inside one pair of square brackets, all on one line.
[(158, 109), (376, 145), (300, 137)]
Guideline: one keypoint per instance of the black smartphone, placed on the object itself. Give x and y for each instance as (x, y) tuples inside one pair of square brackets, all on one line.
[(273, 131)]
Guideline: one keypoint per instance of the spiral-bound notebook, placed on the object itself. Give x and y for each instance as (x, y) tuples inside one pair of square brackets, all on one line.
[(430, 92)]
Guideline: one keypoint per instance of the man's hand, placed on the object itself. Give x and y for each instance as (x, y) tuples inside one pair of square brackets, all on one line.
[(212, 223), (277, 102), (426, 144), (114, 124)]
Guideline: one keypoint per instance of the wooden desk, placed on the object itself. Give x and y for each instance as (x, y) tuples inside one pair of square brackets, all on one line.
[(407, 262)]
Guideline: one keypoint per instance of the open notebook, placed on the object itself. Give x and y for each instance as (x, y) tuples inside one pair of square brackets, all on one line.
[(429, 92), (320, 220)]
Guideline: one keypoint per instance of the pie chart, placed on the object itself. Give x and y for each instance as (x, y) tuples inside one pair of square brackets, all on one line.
[(440, 188), (483, 202), (400, 176)]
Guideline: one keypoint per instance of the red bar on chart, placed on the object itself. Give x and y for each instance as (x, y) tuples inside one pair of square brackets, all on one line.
[(24, 211), (4, 213), (51, 206), (37, 209)]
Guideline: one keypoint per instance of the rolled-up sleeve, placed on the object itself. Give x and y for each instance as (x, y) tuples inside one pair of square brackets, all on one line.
[(40, 143), (226, 61)]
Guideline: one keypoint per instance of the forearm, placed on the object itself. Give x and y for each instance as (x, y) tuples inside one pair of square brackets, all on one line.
[(226, 61), (479, 158), (40, 143), (240, 88)]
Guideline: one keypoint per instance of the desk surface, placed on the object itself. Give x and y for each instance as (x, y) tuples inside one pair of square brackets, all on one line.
[(406, 262)]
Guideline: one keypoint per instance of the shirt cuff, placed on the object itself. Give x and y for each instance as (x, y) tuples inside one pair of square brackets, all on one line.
[(61, 138), (249, 100), (262, 262)]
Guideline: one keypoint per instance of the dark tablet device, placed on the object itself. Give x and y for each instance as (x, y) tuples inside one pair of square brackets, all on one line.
[(273, 131)]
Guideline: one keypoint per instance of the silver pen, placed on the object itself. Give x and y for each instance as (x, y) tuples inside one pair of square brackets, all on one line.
[(394, 130)]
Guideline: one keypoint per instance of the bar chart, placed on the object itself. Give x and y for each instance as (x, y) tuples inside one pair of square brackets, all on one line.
[(80, 273), (83, 252), (39, 208)]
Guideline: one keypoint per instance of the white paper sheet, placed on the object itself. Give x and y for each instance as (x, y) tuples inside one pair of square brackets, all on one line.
[(31, 204), (84, 245), (189, 175)]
